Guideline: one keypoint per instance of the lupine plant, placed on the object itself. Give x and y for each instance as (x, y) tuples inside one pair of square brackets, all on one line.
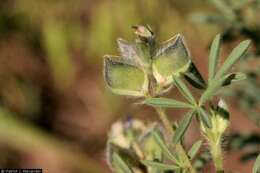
[(146, 71), (240, 19)]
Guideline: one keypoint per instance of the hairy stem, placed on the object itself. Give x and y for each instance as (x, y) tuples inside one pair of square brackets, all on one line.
[(216, 152), (170, 132), (165, 121)]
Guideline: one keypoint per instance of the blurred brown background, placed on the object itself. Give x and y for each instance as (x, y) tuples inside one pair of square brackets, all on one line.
[(55, 111)]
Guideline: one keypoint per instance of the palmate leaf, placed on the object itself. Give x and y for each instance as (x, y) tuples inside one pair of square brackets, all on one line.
[(214, 57), (167, 103), (194, 149), (124, 79), (171, 59), (234, 56), (181, 129), (256, 167), (160, 166)]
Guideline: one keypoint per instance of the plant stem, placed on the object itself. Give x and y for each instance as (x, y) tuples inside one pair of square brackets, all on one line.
[(215, 149), (170, 131), (165, 121)]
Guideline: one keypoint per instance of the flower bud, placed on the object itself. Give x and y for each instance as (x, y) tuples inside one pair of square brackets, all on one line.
[(143, 31), (220, 122), (132, 141)]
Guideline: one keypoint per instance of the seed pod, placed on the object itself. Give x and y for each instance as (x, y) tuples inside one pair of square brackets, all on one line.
[(171, 59), (129, 52), (124, 78)]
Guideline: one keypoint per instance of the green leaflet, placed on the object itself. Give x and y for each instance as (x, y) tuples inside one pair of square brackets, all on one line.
[(225, 9), (218, 83), (167, 103), (164, 147), (125, 79), (205, 118), (233, 77), (194, 77), (256, 167), (194, 149), (120, 165), (160, 166), (184, 90), (214, 57), (171, 59), (234, 56), (181, 129)]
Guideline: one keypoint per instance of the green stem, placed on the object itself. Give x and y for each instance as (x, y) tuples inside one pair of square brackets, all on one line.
[(217, 157), (165, 121), (170, 131)]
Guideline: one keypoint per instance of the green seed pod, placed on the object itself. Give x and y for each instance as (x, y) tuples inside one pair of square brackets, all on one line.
[(171, 59), (129, 52), (145, 44), (145, 54), (124, 78)]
